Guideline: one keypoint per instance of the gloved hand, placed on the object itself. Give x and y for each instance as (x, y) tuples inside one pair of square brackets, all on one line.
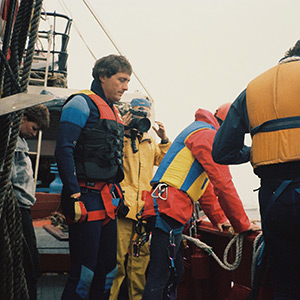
[(75, 210), (122, 209)]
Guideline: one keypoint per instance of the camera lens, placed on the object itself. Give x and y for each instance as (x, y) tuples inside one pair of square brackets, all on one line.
[(142, 125)]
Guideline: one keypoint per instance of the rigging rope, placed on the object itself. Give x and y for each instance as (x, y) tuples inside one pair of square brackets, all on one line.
[(12, 277), (114, 44), (68, 12)]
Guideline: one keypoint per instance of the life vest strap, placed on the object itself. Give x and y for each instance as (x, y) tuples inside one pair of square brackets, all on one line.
[(277, 124)]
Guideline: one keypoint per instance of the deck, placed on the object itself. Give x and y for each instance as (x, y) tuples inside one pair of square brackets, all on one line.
[(54, 255), (50, 286)]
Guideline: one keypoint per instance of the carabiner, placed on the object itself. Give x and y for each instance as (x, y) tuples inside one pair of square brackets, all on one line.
[(160, 189)]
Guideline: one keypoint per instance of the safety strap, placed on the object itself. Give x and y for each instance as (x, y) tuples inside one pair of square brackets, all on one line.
[(274, 197), (277, 124)]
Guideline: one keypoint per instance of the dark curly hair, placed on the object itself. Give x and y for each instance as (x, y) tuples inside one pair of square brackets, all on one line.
[(110, 65), (38, 114), (294, 50)]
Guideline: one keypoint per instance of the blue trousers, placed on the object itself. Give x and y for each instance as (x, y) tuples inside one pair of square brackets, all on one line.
[(159, 274), (93, 254), (281, 230)]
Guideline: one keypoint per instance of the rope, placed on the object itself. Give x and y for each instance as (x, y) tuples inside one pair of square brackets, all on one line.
[(258, 244), (238, 240), (7, 35), (32, 40), (12, 277)]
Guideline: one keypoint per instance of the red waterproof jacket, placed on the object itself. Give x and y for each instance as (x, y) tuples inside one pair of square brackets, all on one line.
[(220, 199)]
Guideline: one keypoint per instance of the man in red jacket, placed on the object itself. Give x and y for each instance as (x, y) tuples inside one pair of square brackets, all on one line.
[(187, 174)]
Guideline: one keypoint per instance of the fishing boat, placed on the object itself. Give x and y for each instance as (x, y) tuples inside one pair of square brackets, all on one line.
[(218, 265)]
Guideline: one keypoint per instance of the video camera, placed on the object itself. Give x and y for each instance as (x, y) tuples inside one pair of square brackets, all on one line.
[(139, 122)]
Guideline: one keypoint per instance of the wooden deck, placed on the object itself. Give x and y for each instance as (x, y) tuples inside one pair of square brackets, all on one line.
[(55, 262)]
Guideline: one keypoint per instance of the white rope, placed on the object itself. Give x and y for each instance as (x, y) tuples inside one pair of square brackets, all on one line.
[(238, 239), (255, 254)]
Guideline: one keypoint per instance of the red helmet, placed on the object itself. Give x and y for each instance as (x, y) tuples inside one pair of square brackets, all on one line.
[(222, 111)]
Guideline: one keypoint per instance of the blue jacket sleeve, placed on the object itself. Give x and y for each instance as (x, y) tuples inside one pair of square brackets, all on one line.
[(73, 118), (228, 146)]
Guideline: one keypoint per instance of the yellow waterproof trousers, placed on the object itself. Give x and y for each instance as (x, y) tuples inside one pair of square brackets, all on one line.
[(136, 266)]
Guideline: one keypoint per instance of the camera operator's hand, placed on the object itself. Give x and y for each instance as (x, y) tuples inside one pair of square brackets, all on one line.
[(127, 118), (161, 132)]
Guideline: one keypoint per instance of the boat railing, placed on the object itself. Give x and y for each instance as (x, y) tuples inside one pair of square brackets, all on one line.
[(50, 59)]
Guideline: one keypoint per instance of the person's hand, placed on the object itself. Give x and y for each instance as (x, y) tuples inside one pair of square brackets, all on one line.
[(75, 210), (161, 132), (221, 226), (254, 226), (127, 118)]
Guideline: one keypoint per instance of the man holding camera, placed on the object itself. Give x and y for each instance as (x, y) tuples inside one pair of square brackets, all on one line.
[(141, 154)]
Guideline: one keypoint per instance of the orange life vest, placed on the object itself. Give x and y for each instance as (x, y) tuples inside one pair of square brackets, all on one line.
[(274, 115)]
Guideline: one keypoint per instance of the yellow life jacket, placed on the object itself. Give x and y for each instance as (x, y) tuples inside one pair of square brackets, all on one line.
[(274, 115)]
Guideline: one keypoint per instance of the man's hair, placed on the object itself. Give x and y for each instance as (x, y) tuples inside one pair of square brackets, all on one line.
[(294, 50), (111, 65), (38, 114)]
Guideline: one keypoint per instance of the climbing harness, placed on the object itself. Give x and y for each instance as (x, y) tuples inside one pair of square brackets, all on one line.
[(159, 191)]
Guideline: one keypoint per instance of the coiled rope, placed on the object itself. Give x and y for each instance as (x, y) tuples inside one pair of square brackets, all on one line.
[(12, 277), (258, 246), (237, 239)]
